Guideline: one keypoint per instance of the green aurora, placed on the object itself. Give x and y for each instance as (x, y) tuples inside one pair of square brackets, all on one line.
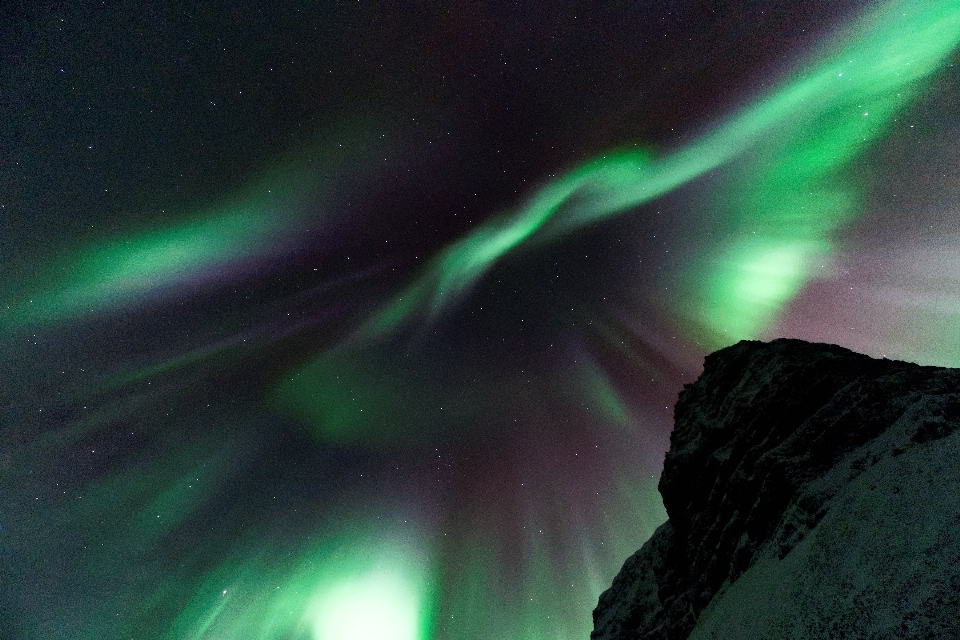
[(380, 573), (791, 147)]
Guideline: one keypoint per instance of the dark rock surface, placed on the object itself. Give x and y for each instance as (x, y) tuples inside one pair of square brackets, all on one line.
[(812, 492)]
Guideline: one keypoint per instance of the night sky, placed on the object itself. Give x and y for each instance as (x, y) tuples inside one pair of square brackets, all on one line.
[(365, 320)]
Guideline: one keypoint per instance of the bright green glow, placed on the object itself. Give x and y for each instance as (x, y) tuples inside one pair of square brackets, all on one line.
[(258, 221), (123, 271), (792, 197), (355, 585), (775, 223), (459, 266), (798, 136), (752, 283), (381, 605)]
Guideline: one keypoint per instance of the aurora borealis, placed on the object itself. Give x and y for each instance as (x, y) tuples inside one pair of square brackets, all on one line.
[(353, 321)]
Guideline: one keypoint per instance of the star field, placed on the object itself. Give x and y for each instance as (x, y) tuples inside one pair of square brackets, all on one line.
[(365, 320)]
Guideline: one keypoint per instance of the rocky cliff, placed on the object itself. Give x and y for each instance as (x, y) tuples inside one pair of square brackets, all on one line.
[(812, 492)]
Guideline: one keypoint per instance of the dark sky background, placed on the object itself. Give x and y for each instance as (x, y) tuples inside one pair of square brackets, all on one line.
[(365, 320)]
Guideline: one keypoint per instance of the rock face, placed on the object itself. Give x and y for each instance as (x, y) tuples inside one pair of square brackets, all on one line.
[(812, 492)]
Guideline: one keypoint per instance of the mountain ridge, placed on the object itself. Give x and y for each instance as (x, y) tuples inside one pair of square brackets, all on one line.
[(767, 444)]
